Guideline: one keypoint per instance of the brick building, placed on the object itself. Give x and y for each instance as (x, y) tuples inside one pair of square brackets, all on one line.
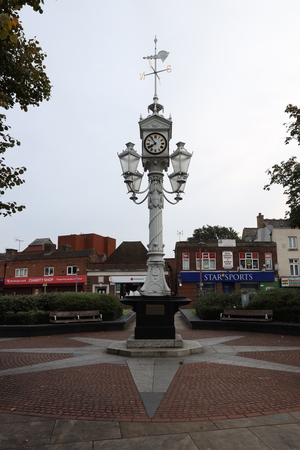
[(226, 266), (43, 268), (124, 271)]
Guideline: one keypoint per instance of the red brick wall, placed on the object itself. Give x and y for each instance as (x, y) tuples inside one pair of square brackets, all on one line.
[(102, 244), (36, 267)]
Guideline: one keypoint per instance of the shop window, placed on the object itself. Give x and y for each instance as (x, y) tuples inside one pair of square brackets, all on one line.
[(268, 261), (292, 242), (294, 267), (185, 261), (100, 289), (249, 261), (71, 270), (21, 272), (209, 288), (48, 271), (208, 260), (250, 287)]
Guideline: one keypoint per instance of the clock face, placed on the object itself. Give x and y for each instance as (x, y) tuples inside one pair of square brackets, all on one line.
[(155, 143)]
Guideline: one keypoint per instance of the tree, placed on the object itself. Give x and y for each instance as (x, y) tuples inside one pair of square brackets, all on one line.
[(9, 176), (213, 232), (287, 173), (23, 81), (293, 127)]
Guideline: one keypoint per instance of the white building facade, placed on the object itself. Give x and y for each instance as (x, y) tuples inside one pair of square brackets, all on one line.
[(288, 247)]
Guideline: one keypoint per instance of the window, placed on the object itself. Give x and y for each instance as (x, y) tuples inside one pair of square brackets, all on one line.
[(249, 261), (208, 260), (292, 242), (294, 267), (48, 271), (268, 261), (21, 272), (185, 261), (71, 270)]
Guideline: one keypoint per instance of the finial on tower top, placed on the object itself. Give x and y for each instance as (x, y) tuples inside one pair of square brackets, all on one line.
[(155, 107)]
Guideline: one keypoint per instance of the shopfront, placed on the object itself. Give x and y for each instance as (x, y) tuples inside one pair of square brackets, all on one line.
[(229, 281), (290, 282), (37, 285), (127, 284)]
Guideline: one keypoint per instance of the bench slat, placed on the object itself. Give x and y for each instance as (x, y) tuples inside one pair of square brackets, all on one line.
[(75, 316), (258, 315)]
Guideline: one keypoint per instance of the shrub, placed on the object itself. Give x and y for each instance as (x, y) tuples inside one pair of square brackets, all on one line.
[(11, 306), (284, 302), (208, 312), (109, 305), (26, 317)]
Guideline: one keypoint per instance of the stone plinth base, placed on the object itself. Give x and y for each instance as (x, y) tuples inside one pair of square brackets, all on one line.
[(189, 348), (155, 315), (155, 343)]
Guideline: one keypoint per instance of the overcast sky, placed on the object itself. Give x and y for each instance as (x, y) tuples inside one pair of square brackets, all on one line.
[(235, 68)]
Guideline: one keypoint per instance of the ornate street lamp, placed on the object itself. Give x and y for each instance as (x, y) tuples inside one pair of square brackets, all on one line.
[(201, 244), (155, 133), (76, 280)]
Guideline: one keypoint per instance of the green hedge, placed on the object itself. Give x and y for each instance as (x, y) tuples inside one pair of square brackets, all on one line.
[(33, 309), (285, 304)]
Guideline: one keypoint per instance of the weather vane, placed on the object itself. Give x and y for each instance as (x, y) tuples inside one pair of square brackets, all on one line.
[(162, 55)]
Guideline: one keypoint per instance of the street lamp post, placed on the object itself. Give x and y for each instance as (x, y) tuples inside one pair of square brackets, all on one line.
[(155, 133), (76, 282), (201, 244), (155, 283), (4, 275)]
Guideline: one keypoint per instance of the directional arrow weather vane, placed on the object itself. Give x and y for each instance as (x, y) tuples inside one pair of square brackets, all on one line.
[(162, 55)]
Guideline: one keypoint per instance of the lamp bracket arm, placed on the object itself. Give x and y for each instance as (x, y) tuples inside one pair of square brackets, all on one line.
[(142, 201), (169, 201), (139, 192), (171, 192)]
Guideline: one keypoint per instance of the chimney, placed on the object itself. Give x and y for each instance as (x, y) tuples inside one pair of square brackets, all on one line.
[(260, 221), (65, 247), (49, 248), (11, 252)]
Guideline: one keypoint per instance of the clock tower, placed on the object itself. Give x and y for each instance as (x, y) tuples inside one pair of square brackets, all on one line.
[(155, 308)]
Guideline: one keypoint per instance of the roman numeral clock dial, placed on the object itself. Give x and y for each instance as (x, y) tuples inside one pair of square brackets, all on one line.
[(155, 143)]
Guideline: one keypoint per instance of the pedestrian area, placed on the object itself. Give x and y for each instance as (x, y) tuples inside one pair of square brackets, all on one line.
[(66, 392)]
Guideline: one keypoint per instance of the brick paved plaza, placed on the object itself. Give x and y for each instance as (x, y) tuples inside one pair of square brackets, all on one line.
[(239, 375)]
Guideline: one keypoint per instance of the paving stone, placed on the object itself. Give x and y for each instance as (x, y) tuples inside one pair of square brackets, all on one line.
[(296, 414), (239, 439), (72, 446), (174, 442), (134, 429), (256, 421), (280, 437), (14, 418), (72, 430), (33, 433)]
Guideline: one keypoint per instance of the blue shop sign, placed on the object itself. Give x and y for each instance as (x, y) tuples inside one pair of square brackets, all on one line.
[(227, 277)]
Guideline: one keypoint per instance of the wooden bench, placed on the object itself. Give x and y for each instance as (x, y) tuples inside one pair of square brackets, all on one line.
[(255, 315), (74, 316)]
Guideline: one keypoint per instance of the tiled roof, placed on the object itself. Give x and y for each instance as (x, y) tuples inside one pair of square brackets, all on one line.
[(40, 241), (128, 253), (278, 223), (54, 255), (249, 234)]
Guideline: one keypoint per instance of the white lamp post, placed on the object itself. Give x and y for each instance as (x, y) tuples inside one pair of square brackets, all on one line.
[(155, 283), (155, 132), (201, 244), (155, 307), (76, 281)]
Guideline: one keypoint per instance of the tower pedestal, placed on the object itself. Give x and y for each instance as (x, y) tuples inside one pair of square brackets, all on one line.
[(155, 315)]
